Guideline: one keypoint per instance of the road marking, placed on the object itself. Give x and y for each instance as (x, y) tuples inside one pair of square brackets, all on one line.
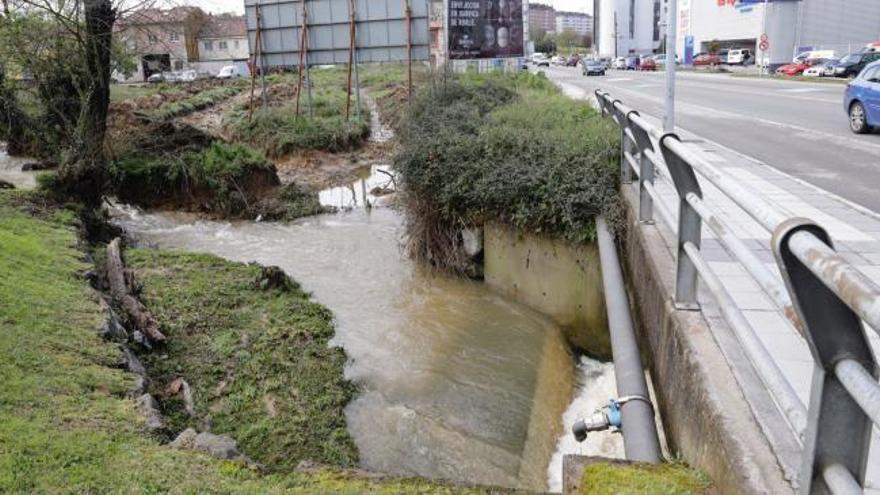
[(800, 90), (618, 79)]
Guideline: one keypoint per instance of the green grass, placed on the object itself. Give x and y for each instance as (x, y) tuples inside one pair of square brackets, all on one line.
[(284, 393), (223, 178), (122, 92), (194, 103), (642, 479), (65, 424), (278, 131)]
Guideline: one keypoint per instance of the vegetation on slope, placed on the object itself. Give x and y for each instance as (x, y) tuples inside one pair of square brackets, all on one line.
[(257, 360), (640, 479), (278, 131), (194, 103), (66, 425), (503, 148)]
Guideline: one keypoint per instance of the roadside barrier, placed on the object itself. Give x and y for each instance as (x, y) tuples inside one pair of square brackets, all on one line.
[(824, 296)]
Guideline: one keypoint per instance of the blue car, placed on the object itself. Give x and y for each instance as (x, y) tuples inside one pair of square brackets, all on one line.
[(862, 100)]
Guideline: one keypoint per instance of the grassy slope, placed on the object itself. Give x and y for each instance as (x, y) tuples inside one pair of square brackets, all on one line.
[(642, 479), (65, 426), (284, 394)]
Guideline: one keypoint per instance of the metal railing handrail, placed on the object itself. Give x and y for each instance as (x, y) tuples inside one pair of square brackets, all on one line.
[(824, 296)]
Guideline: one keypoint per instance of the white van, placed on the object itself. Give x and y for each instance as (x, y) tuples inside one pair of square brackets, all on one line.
[(742, 56), (228, 72)]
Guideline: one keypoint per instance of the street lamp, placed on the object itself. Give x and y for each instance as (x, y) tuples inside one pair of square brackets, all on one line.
[(669, 117)]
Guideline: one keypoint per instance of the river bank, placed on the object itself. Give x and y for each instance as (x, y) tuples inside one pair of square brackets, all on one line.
[(65, 396)]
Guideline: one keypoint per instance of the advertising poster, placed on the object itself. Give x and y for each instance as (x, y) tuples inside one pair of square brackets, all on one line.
[(480, 29)]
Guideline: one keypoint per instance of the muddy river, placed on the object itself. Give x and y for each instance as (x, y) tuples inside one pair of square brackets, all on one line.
[(457, 382)]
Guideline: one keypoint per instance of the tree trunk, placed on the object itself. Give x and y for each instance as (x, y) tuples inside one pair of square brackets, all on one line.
[(121, 294), (83, 173), (11, 118)]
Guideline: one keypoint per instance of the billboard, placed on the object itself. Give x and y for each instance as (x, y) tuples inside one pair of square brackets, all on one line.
[(481, 29), (381, 30)]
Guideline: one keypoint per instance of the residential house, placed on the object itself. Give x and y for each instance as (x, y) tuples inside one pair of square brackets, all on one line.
[(223, 41)]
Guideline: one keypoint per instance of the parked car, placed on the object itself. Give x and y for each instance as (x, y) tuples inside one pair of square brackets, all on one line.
[(852, 64), (861, 100), (156, 78), (558, 60), (660, 59), (541, 61), (821, 68), (606, 62), (591, 67), (648, 64), (619, 63), (741, 56), (794, 69), (228, 72), (707, 59), (723, 56), (632, 63), (187, 76), (573, 60)]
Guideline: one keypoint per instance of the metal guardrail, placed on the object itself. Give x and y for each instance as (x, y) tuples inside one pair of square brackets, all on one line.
[(823, 296)]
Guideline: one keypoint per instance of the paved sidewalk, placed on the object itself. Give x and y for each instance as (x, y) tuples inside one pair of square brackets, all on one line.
[(854, 230)]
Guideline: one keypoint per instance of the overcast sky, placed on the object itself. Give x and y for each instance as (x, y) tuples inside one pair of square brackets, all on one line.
[(219, 6)]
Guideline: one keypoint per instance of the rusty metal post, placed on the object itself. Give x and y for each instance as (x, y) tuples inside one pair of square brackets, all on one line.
[(838, 435)]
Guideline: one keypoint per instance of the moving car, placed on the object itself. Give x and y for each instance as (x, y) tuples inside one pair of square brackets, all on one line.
[(648, 64), (619, 63), (852, 64), (591, 67), (707, 59), (573, 60), (741, 56), (228, 72), (862, 100), (632, 63)]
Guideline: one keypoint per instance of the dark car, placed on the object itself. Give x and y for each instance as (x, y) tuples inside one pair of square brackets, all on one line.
[(591, 67), (573, 60), (632, 63), (852, 64)]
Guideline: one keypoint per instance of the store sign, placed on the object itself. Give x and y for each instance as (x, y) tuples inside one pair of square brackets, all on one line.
[(485, 29)]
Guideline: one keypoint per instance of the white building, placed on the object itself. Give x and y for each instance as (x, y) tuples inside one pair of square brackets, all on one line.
[(223, 41), (576, 22), (790, 26), (626, 27)]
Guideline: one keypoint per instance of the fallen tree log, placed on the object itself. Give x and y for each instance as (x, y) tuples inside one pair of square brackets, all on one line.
[(138, 315)]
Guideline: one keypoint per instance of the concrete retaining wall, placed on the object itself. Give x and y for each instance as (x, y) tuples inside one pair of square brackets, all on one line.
[(553, 278), (705, 414)]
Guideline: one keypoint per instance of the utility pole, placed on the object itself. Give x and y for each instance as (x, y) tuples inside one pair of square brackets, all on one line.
[(615, 35), (671, 27)]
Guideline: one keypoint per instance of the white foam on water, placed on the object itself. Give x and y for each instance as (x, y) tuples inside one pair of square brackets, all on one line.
[(596, 386)]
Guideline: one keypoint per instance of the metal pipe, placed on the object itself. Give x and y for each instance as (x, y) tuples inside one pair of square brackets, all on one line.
[(792, 407), (840, 480), (846, 281), (863, 387), (639, 431), (662, 209)]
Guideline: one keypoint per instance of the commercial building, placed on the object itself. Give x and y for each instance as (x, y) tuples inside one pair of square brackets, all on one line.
[(625, 27), (779, 29), (542, 17), (576, 22)]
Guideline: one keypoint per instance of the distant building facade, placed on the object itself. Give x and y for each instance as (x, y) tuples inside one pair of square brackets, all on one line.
[(181, 38), (576, 22), (542, 17), (627, 27)]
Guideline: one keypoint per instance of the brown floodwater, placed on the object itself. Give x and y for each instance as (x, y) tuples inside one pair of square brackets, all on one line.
[(457, 382)]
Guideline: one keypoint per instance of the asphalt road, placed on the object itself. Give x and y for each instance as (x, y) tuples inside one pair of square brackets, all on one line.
[(797, 127)]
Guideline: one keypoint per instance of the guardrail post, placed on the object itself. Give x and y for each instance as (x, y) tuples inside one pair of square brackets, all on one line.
[(689, 225), (625, 145), (838, 430), (646, 170), (603, 103)]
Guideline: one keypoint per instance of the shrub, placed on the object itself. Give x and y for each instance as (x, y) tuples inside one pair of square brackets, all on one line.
[(222, 177), (503, 148)]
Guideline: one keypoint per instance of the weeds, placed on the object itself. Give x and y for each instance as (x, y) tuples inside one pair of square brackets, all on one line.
[(194, 103)]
